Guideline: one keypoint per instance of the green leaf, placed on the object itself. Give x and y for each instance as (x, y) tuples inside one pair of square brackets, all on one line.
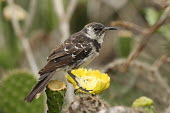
[(164, 30), (151, 15)]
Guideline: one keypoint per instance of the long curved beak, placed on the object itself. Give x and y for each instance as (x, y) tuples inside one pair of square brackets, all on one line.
[(110, 28)]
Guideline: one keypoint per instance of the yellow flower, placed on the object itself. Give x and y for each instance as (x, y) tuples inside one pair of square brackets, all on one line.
[(90, 80)]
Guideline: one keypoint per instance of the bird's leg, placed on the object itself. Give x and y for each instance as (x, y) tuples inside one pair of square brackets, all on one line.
[(74, 78)]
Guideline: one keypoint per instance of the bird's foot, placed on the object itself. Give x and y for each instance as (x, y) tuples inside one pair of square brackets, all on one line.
[(83, 89), (77, 83)]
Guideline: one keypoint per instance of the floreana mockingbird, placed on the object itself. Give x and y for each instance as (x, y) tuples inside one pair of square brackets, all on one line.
[(77, 51)]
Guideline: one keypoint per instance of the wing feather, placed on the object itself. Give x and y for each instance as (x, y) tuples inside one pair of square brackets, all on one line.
[(60, 51), (56, 63), (66, 54)]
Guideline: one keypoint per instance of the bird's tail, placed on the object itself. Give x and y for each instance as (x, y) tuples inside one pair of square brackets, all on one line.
[(39, 87)]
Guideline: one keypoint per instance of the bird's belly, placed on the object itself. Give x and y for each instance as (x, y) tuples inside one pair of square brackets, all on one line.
[(83, 62), (87, 60)]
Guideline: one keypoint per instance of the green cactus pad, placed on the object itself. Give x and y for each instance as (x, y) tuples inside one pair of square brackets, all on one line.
[(142, 101), (13, 89), (55, 96)]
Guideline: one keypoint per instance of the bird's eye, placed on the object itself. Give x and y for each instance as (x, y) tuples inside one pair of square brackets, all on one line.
[(97, 29)]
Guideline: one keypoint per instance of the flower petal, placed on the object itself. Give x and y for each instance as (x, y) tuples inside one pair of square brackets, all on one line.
[(90, 80)]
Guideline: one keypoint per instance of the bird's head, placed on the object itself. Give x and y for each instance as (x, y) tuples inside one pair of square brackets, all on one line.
[(96, 31)]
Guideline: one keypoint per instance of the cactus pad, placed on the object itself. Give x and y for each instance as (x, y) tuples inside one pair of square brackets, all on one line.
[(55, 96), (13, 88)]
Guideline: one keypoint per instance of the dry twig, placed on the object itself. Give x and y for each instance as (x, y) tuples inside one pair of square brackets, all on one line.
[(64, 16), (145, 32), (128, 25), (25, 43), (64, 26), (146, 37), (156, 65), (117, 64), (28, 21), (148, 69)]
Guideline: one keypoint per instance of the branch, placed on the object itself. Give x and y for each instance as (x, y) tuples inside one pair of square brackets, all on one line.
[(161, 21), (25, 43), (156, 65), (117, 65), (64, 16), (29, 56), (128, 25), (71, 8), (59, 9), (64, 27), (146, 36), (28, 21)]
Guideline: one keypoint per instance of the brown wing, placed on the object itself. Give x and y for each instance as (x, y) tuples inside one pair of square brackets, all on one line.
[(61, 51), (66, 54)]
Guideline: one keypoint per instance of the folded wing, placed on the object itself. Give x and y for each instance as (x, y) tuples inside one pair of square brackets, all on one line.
[(66, 54)]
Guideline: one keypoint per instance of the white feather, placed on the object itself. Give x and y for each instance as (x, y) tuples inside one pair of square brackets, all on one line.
[(91, 34)]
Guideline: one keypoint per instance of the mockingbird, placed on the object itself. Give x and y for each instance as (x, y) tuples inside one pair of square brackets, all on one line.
[(77, 51)]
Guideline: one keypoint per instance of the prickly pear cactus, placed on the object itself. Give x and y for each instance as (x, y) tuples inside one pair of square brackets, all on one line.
[(55, 92), (13, 88), (144, 102)]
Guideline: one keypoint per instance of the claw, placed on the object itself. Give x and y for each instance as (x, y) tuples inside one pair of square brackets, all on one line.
[(75, 91), (83, 89), (80, 87)]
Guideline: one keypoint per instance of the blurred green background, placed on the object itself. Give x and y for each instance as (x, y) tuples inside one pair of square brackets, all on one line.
[(44, 33)]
